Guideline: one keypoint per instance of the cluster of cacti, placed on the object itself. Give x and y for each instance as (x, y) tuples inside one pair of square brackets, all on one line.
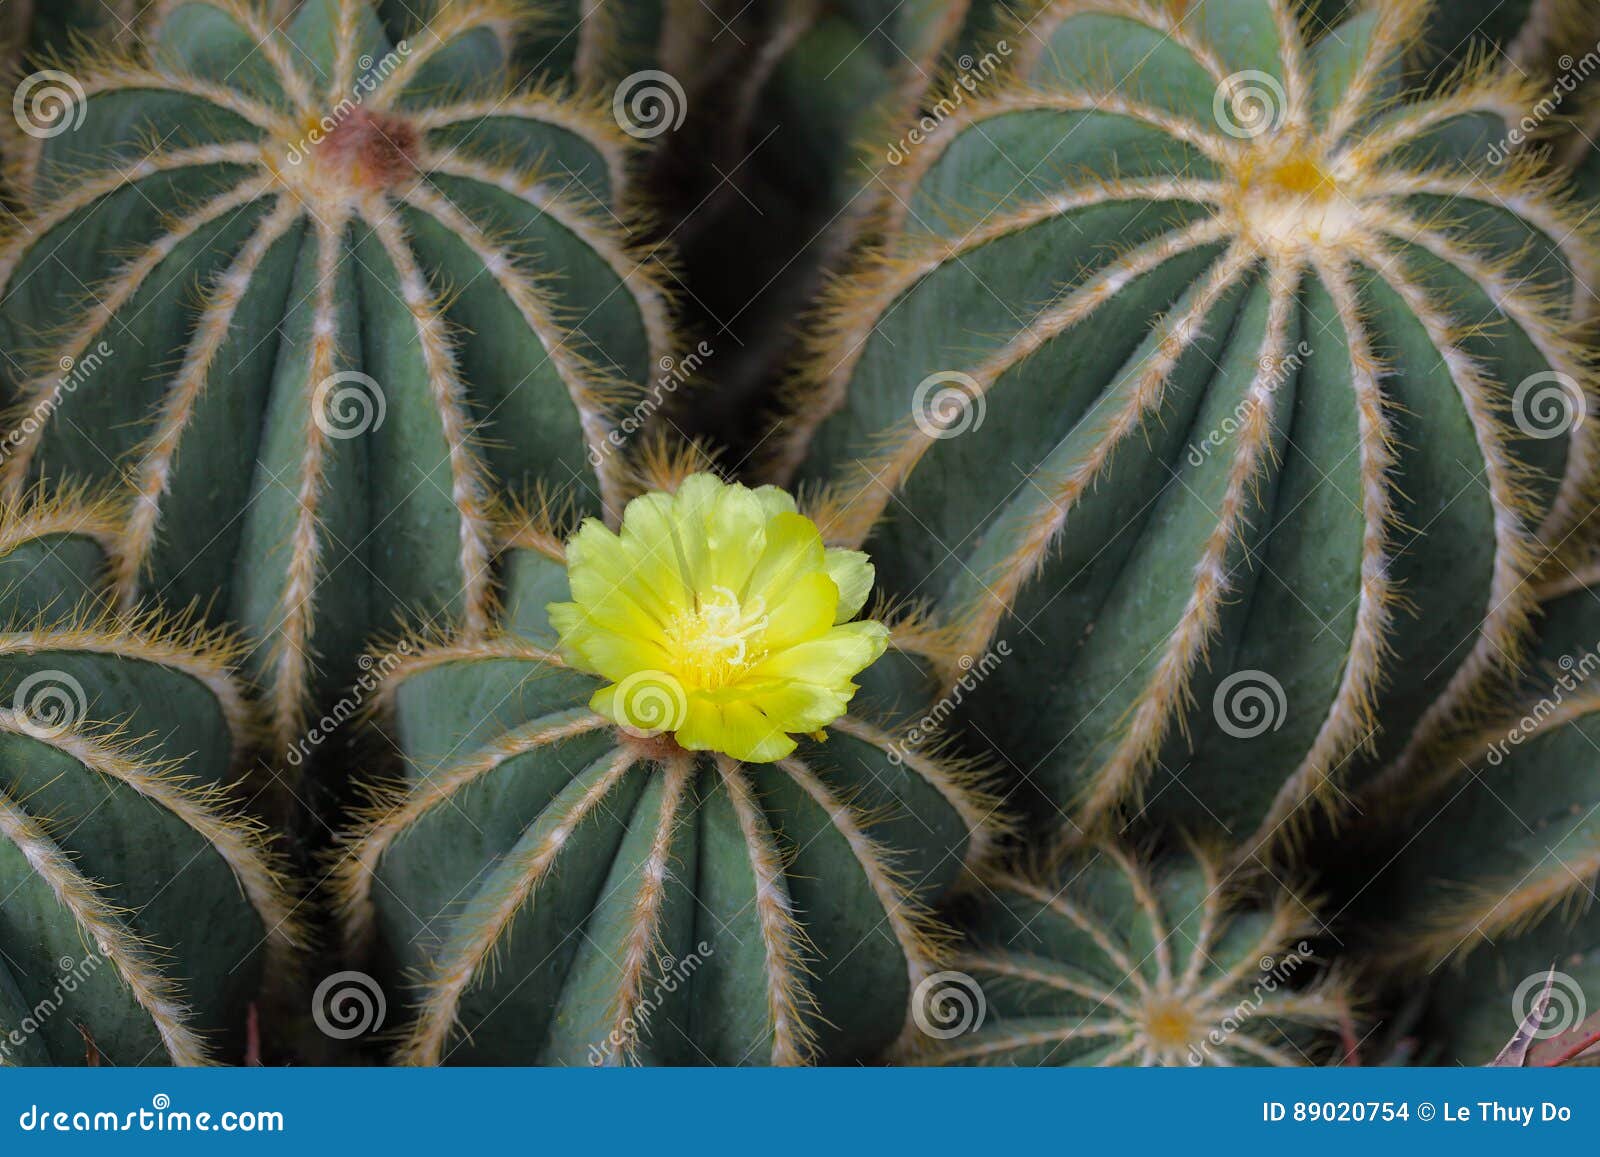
[(1158, 507)]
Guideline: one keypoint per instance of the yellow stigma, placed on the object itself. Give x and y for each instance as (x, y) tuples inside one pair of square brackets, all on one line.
[(719, 638)]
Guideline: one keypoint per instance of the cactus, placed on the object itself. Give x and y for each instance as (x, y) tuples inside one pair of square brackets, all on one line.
[(140, 906), (644, 896), (377, 232), (1185, 414), (1491, 867), (1109, 961)]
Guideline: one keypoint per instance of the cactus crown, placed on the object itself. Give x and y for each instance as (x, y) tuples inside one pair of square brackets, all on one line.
[(1104, 961), (327, 189), (1307, 266)]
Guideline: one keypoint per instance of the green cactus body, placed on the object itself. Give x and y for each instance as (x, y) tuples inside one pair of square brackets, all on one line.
[(1499, 848), (412, 290), (556, 891), (140, 908), (1110, 961), (1205, 403)]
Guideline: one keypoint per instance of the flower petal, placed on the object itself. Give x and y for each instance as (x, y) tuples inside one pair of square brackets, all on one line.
[(835, 658), (804, 611), (853, 575)]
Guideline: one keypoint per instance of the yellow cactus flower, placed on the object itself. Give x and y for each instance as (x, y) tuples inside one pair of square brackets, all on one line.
[(717, 615)]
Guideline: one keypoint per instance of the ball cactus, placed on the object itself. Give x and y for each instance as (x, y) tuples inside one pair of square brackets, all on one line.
[(1199, 365), (413, 289), (141, 906), (1109, 961), (576, 871), (1493, 869)]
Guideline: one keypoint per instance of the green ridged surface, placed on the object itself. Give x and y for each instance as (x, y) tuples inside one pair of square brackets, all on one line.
[(553, 995), (1094, 621), (1114, 961), (63, 996), (394, 504)]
